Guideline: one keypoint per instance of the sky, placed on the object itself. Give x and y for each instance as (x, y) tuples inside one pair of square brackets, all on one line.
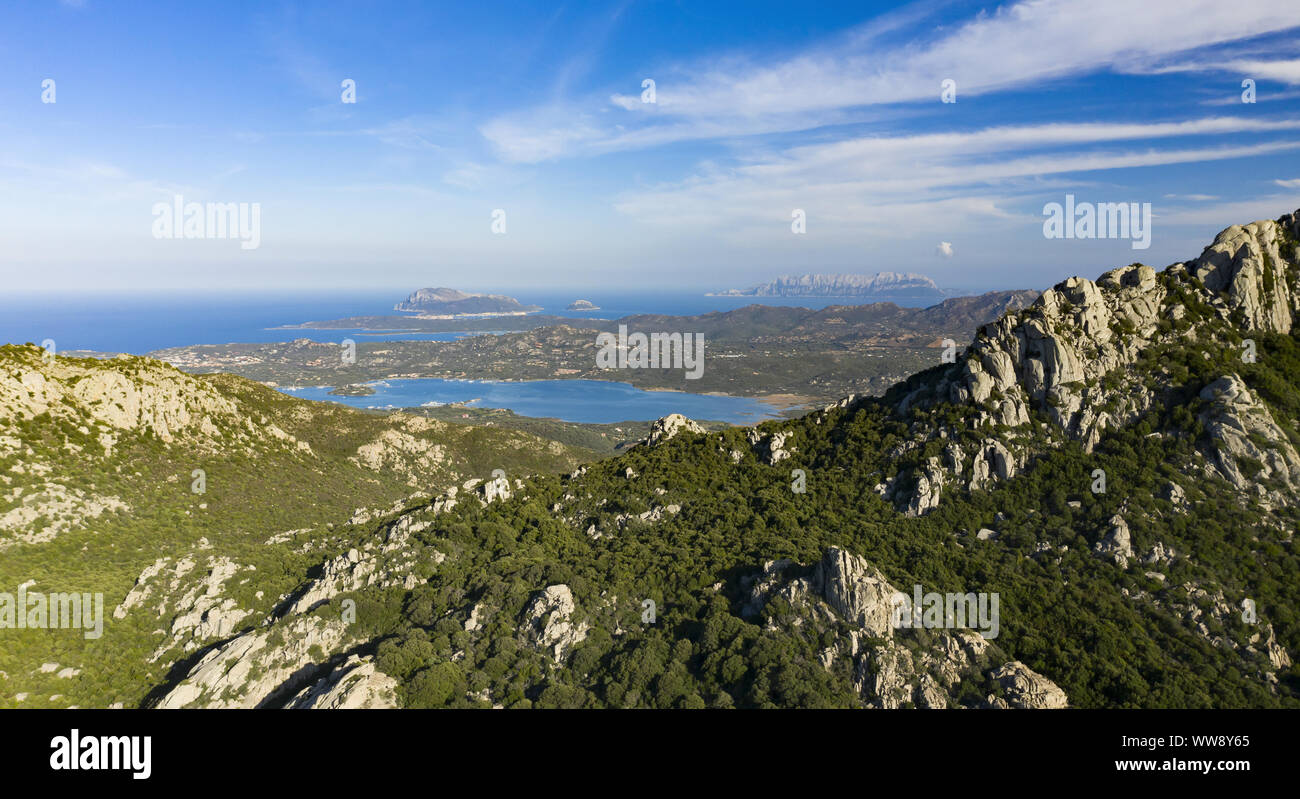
[(762, 112)]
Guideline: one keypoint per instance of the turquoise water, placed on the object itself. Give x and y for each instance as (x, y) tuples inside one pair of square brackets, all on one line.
[(590, 401)]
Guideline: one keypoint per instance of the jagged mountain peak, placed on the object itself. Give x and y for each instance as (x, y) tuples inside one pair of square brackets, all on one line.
[(1071, 357), (1046, 355)]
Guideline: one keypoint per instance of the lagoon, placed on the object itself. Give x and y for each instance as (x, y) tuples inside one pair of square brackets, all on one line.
[(587, 401)]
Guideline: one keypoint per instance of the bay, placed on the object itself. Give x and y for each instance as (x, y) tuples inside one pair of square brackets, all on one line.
[(587, 401)]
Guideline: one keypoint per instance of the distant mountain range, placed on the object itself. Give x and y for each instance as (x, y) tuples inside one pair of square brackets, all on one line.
[(881, 284), (452, 302)]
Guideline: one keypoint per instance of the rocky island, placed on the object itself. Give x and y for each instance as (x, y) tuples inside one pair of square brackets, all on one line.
[(881, 284), (582, 305), (445, 303)]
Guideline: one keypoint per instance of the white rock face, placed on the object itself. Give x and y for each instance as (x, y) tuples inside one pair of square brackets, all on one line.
[(1244, 262), (124, 394), (401, 452), (202, 612), (1235, 420), (494, 489), (856, 591), (770, 447), (929, 488), (1117, 543), (48, 509), (379, 563), (1045, 356), (669, 426), (1025, 688), (548, 623), (993, 461), (356, 685), (1068, 354), (250, 671)]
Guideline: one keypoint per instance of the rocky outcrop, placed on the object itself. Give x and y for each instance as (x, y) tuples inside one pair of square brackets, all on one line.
[(253, 670), (1069, 355), (1247, 262), (190, 600), (124, 393), (890, 665), (40, 513), (498, 488), (548, 624), (668, 427), (399, 451), (1052, 356), (379, 563), (1245, 436), (355, 685), (95, 407), (770, 447), (929, 488), (1116, 544), (1024, 688), (1209, 613), (993, 461), (856, 591)]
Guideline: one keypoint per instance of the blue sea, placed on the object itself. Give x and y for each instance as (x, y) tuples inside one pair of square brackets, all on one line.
[(591, 401), (142, 323)]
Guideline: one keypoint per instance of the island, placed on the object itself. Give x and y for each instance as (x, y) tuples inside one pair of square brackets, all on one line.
[(445, 303), (582, 305), (353, 390), (883, 285)]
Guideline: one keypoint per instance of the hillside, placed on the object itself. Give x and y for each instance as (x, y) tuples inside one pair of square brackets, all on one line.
[(111, 469), (1116, 463)]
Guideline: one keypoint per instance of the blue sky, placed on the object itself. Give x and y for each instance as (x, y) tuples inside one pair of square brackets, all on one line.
[(536, 109)]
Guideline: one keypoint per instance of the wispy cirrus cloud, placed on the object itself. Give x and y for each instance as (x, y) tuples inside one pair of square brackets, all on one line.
[(1280, 70), (886, 184), (840, 80)]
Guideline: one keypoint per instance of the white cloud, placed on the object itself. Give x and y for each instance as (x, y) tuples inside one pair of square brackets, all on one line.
[(1025, 44), (1282, 71), (1294, 183), (944, 249), (1216, 217), (899, 186)]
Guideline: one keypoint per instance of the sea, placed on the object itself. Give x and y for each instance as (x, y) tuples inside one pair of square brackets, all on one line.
[(588, 401), (143, 323)]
